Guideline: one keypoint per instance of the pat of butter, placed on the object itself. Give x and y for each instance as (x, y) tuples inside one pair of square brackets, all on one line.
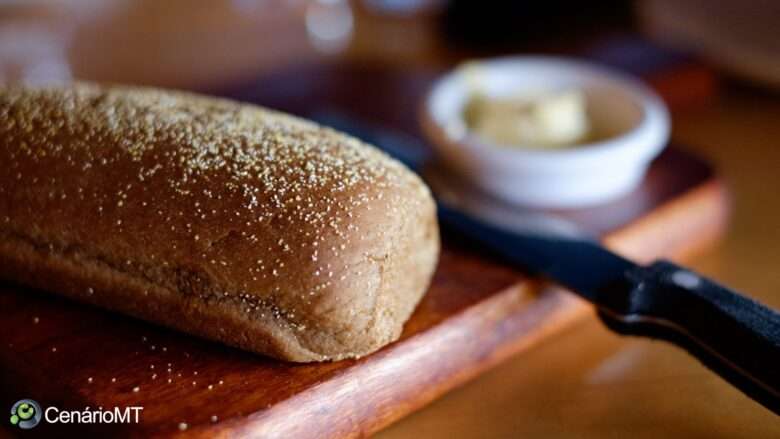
[(546, 120)]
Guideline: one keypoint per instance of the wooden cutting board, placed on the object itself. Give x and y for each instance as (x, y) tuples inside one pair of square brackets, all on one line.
[(477, 312)]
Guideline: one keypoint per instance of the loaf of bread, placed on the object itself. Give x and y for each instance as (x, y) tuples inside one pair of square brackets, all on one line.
[(228, 221)]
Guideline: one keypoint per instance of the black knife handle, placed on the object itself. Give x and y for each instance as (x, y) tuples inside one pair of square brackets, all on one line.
[(735, 336)]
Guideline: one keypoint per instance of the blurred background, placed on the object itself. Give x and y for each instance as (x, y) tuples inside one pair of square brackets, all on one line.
[(716, 63), (207, 44)]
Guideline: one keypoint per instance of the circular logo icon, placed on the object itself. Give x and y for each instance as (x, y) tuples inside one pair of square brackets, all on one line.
[(26, 413)]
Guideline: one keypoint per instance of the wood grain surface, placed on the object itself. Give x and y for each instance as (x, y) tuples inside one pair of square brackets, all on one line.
[(477, 313)]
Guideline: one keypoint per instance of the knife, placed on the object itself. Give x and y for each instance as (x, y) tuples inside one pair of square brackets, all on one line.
[(735, 336)]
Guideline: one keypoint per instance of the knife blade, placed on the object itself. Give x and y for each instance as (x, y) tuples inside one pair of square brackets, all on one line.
[(735, 336)]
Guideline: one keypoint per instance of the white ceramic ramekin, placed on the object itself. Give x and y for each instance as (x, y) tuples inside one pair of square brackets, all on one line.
[(634, 116)]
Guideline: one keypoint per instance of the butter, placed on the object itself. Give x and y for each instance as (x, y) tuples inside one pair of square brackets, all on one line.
[(532, 120)]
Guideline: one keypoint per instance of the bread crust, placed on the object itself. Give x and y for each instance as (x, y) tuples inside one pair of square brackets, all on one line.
[(229, 221)]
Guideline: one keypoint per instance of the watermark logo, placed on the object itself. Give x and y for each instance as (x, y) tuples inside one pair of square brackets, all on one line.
[(26, 414)]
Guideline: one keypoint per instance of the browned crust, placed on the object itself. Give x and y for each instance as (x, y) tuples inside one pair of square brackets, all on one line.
[(228, 221)]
